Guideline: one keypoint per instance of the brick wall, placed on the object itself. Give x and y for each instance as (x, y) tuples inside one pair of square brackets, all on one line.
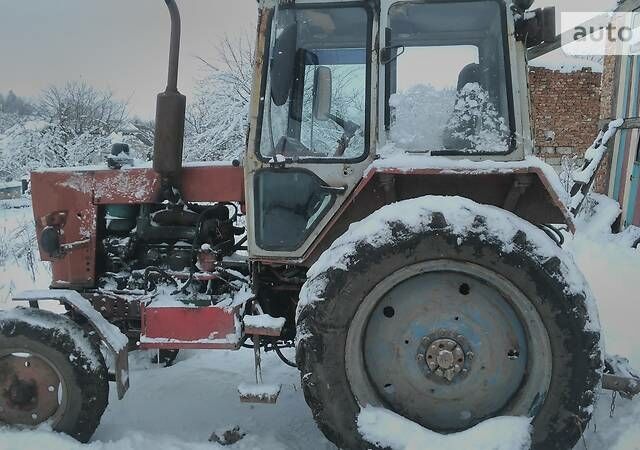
[(566, 110)]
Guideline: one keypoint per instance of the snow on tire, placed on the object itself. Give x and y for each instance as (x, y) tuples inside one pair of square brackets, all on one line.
[(448, 313), (50, 372)]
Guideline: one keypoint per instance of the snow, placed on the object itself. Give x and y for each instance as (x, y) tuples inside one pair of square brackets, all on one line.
[(621, 264), (264, 321), (259, 391), (431, 119), (394, 158), (211, 340), (414, 109), (594, 155), (109, 332), (460, 214), (596, 152), (20, 268), (387, 429), (561, 62), (177, 408), (11, 184), (475, 124)]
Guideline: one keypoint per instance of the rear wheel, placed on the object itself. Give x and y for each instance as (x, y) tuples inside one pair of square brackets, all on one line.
[(447, 327), (50, 372)]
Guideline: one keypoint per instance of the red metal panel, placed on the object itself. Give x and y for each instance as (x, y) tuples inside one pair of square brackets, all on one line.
[(129, 186), (184, 327), (201, 183), (220, 183), (68, 192)]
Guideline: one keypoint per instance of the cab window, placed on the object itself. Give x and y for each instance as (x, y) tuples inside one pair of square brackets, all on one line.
[(447, 81), (316, 107)]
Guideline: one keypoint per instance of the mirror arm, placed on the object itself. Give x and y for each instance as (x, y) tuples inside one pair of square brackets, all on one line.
[(385, 54)]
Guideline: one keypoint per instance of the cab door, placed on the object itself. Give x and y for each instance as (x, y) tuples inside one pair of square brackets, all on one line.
[(311, 130)]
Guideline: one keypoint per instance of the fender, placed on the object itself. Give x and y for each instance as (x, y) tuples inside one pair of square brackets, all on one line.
[(114, 340), (530, 189)]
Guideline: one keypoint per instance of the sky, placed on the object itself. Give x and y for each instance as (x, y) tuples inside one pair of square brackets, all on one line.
[(122, 45)]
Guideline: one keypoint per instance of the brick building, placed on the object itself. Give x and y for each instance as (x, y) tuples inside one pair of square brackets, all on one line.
[(566, 106)]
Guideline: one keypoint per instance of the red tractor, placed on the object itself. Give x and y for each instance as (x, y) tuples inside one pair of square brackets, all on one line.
[(387, 220)]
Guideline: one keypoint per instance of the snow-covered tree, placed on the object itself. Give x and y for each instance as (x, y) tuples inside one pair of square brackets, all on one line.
[(15, 105), (72, 125), (217, 117)]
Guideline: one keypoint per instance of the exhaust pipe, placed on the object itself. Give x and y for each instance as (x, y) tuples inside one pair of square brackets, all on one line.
[(170, 117)]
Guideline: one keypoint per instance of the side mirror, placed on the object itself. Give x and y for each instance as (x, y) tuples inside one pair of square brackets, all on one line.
[(539, 28), (322, 93), (283, 64)]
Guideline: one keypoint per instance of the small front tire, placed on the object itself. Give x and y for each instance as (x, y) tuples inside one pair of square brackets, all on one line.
[(50, 371)]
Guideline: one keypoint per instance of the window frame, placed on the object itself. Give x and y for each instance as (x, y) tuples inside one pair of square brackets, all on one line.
[(266, 98), (513, 125), (257, 197)]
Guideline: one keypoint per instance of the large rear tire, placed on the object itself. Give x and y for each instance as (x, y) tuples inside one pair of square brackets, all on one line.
[(50, 371), (448, 318)]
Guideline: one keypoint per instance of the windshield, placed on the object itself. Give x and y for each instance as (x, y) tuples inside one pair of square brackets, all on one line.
[(318, 82), (447, 82)]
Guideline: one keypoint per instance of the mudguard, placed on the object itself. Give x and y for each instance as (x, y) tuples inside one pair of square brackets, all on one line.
[(115, 342)]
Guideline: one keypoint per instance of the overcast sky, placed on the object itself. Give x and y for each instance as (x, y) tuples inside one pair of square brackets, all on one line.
[(123, 44)]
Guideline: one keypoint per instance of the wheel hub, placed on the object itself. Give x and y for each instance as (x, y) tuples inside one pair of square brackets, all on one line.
[(29, 389), (22, 394), (445, 358)]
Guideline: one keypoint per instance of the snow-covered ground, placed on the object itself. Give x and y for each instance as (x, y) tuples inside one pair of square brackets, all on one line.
[(178, 408), (20, 268)]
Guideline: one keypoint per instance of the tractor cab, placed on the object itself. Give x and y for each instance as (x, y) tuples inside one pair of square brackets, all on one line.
[(342, 84)]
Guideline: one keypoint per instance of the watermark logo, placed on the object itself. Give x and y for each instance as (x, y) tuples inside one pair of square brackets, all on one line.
[(600, 33)]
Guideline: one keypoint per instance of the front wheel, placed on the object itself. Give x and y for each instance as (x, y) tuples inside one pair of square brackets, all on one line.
[(448, 319), (50, 372)]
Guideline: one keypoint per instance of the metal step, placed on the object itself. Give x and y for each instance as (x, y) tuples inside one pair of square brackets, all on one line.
[(263, 325), (259, 393)]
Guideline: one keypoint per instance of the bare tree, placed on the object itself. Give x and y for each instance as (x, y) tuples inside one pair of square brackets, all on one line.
[(81, 108)]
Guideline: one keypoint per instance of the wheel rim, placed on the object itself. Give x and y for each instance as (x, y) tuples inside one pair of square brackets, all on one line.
[(32, 389), (448, 344)]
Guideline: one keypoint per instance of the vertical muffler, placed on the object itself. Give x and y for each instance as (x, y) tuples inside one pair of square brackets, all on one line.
[(170, 117)]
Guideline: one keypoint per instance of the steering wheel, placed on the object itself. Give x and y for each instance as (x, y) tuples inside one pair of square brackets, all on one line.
[(349, 131)]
